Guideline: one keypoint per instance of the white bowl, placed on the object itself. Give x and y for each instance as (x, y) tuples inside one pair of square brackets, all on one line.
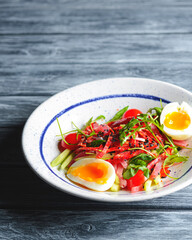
[(80, 103)]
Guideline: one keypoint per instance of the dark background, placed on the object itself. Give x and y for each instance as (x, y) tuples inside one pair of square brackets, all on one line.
[(48, 46)]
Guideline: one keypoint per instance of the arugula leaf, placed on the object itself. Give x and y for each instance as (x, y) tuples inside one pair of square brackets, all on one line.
[(119, 114), (138, 162), (96, 143), (143, 157), (162, 149), (171, 159), (99, 118), (157, 110), (175, 159), (132, 170)]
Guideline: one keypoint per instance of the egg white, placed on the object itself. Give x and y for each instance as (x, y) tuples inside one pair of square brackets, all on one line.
[(175, 107), (110, 175)]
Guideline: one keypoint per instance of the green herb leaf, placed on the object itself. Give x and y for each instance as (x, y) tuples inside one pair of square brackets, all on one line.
[(78, 130), (143, 156), (129, 173), (156, 109), (132, 169), (139, 162), (175, 159), (119, 114), (99, 118), (171, 159), (146, 172), (148, 118), (128, 130), (96, 143), (88, 123), (162, 149)]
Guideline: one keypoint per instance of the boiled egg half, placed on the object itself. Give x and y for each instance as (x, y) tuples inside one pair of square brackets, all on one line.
[(95, 174), (177, 120)]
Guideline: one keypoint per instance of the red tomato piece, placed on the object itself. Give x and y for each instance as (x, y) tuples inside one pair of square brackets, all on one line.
[(72, 139), (131, 113), (135, 183), (136, 188), (164, 171)]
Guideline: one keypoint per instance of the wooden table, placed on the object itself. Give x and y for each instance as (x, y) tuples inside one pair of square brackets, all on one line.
[(48, 46)]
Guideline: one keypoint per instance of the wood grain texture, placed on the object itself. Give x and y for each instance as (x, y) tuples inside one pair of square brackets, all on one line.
[(45, 65), (48, 46), (22, 189), (95, 225), (46, 80), (141, 16), (16, 110), (90, 48)]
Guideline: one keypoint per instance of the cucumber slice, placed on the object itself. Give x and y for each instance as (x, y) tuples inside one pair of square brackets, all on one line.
[(147, 185), (67, 161), (115, 187), (60, 158)]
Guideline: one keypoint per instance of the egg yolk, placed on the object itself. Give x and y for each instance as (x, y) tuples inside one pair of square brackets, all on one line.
[(92, 172), (177, 120)]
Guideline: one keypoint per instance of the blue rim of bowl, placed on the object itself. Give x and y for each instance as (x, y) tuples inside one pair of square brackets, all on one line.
[(133, 95)]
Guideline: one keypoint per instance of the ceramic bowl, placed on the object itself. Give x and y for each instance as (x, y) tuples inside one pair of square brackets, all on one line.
[(80, 103)]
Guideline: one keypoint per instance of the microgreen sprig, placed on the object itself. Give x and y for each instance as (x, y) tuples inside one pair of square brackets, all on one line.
[(100, 117), (62, 135), (81, 132), (128, 130), (171, 159), (60, 129)]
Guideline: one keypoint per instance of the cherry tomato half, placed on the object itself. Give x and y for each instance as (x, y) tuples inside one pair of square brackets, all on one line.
[(136, 182), (72, 139), (131, 113), (164, 171)]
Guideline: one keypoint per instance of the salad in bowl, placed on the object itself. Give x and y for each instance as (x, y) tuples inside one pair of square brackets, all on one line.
[(133, 151), (114, 140)]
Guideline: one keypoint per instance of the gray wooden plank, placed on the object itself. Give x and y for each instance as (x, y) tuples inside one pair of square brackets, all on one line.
[(49, 79), (91, 4), (15, 110), (90, 48), (42, 46), (17, 17), (22, 189), (44, 65), (95, 225)]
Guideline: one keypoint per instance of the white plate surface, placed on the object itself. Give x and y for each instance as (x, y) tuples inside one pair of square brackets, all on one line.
[(78, 104)]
